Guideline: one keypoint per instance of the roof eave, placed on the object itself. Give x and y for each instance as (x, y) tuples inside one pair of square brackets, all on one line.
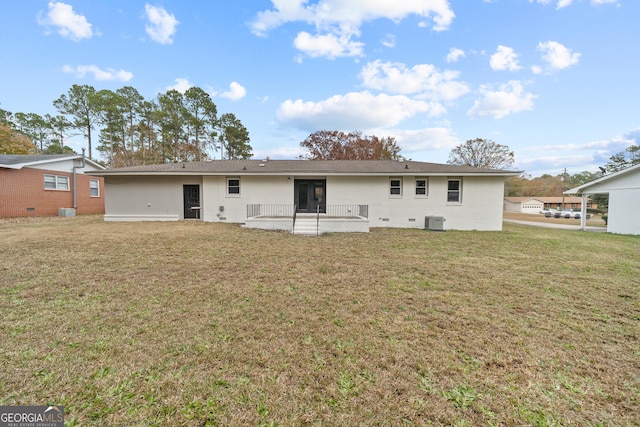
[(299, 173), (580, 189), (45, 161)]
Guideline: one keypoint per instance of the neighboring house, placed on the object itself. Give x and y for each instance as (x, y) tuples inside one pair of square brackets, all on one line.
[(331, 195), (523, 204), (536, 204), (623, 188), (40, 185)]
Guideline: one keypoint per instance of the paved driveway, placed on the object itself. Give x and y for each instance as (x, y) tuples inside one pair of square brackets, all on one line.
[(557, 226)]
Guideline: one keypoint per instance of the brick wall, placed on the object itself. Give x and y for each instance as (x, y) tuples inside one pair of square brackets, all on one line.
[(22, 193)]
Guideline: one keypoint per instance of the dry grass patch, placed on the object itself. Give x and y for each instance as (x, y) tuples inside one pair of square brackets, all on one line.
[(191, 323)]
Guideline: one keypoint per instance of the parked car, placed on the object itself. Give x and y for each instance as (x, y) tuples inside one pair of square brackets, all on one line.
[(568, 213), (548, 212)]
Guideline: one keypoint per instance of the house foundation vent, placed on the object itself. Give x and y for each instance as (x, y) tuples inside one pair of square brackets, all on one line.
[(434, 223)]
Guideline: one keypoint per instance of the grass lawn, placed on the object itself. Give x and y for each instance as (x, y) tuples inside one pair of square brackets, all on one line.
[(194, 324)]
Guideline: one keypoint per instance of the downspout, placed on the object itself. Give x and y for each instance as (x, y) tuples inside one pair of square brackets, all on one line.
[(75, 180), (583, 213)]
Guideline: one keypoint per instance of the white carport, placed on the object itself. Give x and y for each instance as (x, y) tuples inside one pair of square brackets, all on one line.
[(623, 188)]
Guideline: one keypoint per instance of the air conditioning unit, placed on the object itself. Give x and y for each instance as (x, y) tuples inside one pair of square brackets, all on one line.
[(434, 223), (66, 212)]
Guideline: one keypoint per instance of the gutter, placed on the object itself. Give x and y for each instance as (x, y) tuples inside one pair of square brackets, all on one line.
[(312, 173)]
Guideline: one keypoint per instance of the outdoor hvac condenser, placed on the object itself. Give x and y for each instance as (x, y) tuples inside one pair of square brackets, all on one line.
[(434, 223)]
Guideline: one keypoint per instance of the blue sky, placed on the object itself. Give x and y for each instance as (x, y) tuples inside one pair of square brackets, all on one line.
[(555, 80)]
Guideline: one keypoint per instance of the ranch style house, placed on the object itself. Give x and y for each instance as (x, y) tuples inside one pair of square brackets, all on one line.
[(310, 196)]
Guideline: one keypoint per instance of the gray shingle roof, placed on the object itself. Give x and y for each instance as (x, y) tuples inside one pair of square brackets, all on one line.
[(301, 167), (17, 159)]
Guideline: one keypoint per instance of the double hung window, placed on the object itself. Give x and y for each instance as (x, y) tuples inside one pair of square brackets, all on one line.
[(94, 188), (454, 190), (395, 187), (56, 182), (422, 187), (233, 186)]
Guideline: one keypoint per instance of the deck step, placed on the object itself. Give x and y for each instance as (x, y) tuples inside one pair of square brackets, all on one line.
[(306, 226)]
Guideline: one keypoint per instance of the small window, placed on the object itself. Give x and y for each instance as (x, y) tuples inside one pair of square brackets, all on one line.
[(55, 182), (49, 182), (62, 182), (233, 186), (395, 187), (94, 188), (454, 191), (422, 188)]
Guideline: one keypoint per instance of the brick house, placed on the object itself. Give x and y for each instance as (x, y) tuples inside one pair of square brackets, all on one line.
[(39, 185), (534, 205)]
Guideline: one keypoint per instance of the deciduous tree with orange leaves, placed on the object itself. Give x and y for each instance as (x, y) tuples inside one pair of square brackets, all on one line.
[(336, 145)]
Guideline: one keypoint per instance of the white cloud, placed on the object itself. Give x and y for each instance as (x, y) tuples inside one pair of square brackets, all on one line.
[(99, 74), (355, 110), (557, 56), (429, 139), (504, 59), (613, 145), (455, 54), (563, 3), (70, 25), (350, 13), (510, 98), (328, 45), (236, 91), (162, 25), (577, 157), (423, 80), (182, 85), (389, 41), (337, 21), (283, 152)]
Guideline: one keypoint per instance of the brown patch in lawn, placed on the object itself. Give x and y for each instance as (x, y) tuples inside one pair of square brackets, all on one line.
[(191, 323)]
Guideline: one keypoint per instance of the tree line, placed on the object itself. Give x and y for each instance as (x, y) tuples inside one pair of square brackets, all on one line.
[(131, 130), (185, 127)]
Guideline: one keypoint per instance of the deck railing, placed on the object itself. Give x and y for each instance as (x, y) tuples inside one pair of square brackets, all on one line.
[(347, 211), (270, 210), (289, 211)]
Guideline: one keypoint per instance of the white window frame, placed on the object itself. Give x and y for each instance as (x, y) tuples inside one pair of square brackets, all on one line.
[(229, 187), (457, 191), (425, 187), (60, 182), (94, 184), (398, 188)]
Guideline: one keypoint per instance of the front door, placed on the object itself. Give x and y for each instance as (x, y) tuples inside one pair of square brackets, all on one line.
[(191, 201), (310, 195)]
